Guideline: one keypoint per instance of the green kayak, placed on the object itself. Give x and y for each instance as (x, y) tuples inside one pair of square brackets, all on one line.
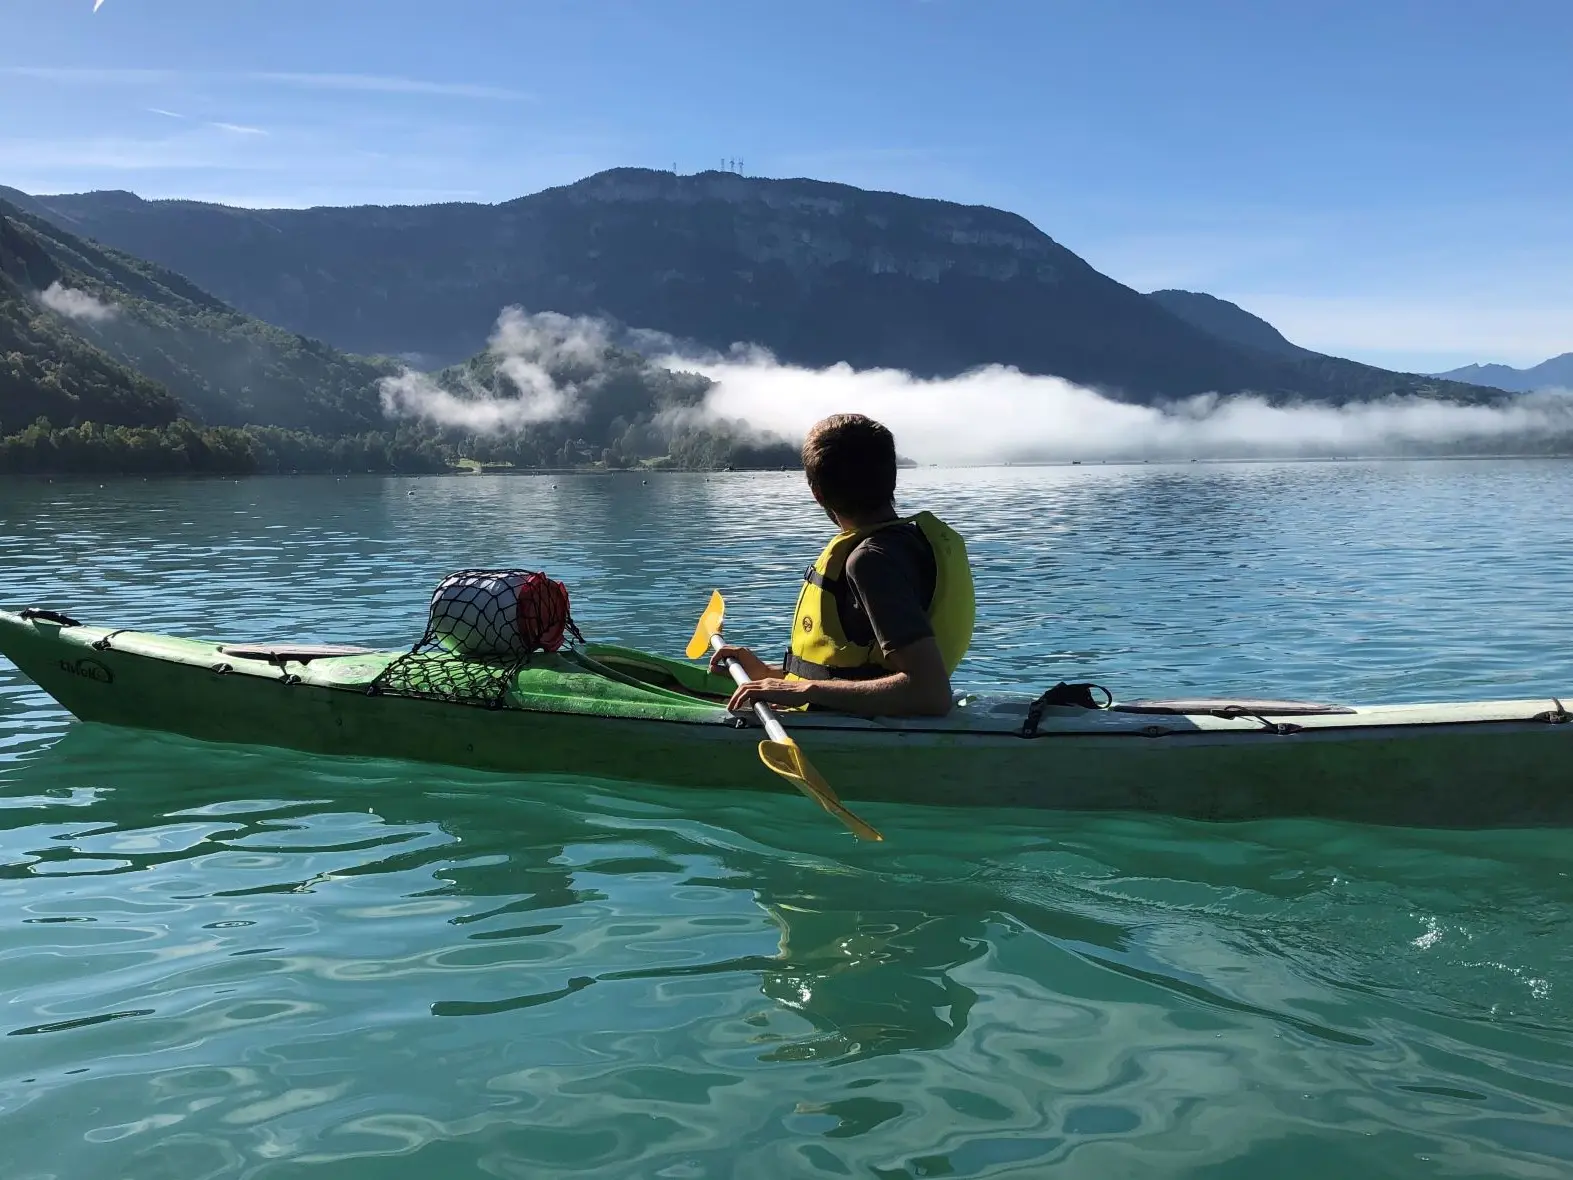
[(609, 712)]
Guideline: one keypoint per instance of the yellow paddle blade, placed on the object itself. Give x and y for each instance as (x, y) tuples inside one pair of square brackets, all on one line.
[(709, 624), (788, 760)]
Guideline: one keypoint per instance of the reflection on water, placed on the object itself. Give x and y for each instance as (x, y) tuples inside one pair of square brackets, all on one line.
[(238, 962)]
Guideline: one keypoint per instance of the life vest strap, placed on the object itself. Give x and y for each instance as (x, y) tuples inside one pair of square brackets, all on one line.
[(795, 665), (818, 580)]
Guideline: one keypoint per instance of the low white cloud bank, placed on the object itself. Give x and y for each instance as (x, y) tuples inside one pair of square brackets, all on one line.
[(991, 415), (75, 304), (1000, 414), (527, 349)]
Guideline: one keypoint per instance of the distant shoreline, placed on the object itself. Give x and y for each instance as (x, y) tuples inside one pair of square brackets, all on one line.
[(611, 472)]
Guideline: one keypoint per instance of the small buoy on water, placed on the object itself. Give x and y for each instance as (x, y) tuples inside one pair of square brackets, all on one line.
[(409, 493)]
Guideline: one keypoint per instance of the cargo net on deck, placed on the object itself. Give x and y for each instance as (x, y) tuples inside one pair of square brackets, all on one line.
[(482, 628)]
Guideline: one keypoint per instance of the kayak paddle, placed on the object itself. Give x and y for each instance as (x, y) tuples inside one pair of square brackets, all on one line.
[(779, 752)]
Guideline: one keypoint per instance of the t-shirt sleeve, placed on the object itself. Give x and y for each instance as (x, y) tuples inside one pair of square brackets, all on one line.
[(888, 578)]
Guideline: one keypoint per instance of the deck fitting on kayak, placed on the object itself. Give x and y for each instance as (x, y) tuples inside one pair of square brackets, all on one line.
[(103, 644), (1280, 728), (49, 616), (1078, 695), (279, 654), (1556, 716)]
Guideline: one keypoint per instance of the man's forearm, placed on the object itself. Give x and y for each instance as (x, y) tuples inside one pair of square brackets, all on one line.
[(895, 695)]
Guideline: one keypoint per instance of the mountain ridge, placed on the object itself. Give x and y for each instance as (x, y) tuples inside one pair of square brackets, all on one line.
[(108, 362), (47, 372), (225, 367), (1228, 321), (1555, 373), (817, 272)]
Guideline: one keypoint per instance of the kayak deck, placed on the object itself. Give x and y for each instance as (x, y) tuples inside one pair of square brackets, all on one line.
[(606, 711), (606, 680)]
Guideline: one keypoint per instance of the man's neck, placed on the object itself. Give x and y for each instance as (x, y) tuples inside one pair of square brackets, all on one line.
[(853, 524)]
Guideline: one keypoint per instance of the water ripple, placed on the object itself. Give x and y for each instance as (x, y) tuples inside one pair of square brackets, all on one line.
[(226, 962)]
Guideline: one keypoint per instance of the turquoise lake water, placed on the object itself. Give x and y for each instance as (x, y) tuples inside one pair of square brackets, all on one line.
[(234, 962)]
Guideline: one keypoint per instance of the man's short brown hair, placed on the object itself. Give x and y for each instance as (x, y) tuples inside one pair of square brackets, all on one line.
[(850, 461)]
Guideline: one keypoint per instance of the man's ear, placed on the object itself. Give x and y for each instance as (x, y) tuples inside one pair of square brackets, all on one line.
[(820, 500)]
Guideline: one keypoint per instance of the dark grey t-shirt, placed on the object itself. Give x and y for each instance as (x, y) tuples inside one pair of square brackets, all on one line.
[(889, 588)]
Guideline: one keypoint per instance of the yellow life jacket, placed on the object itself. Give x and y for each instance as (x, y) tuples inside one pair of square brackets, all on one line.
[(820, 649)]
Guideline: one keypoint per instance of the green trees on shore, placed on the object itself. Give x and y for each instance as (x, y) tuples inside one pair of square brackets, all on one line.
[(183, 447)]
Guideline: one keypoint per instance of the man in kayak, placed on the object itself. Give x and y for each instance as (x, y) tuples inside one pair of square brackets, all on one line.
[(885, 615)]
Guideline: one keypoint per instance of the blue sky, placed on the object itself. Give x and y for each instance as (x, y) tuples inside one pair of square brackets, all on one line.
[(1384, 180)]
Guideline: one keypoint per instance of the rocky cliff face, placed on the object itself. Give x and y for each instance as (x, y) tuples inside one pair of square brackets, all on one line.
[(818, 273)]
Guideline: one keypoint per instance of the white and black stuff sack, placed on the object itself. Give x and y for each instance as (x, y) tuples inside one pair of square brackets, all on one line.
[(499, 613)]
